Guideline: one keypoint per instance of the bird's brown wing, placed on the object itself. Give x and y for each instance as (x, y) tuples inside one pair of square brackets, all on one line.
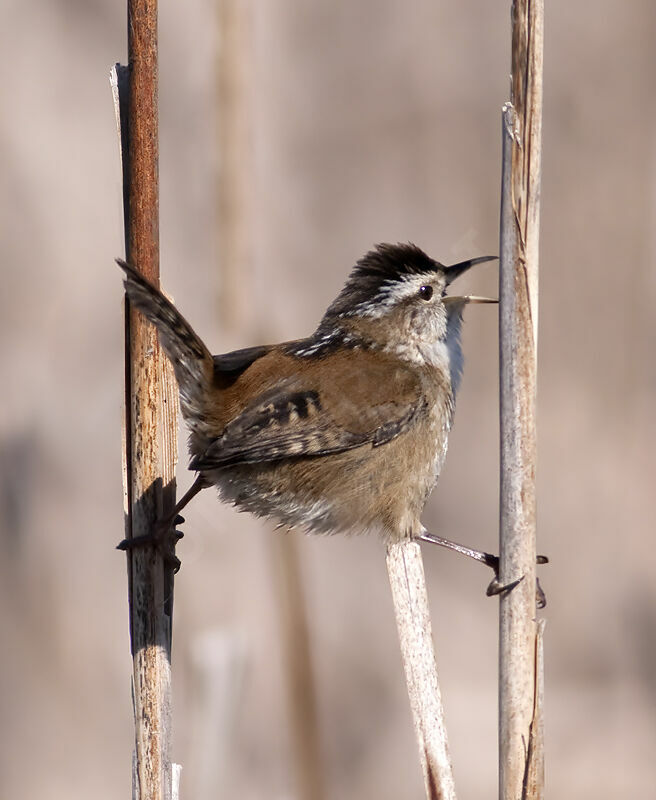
[(362, 400)]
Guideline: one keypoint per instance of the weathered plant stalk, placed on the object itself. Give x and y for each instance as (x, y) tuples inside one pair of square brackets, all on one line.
[(520, 744), (406, 575), (296, 651), (150, 430)]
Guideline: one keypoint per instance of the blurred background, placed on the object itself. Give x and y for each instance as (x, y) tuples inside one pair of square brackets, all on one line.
[(341, 125)]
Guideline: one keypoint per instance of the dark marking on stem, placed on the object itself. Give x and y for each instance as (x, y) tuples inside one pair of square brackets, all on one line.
[(433, 790)]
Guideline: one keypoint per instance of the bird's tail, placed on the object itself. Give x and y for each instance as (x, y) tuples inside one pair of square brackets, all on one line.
[(192, 361)]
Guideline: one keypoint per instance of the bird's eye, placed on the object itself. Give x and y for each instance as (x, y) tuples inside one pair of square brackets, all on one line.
[(425, 292)]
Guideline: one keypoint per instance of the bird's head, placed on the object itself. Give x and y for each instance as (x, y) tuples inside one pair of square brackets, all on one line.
[(396, 297)]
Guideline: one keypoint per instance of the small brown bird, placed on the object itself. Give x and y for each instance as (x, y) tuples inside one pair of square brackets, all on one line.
[(346, 430)]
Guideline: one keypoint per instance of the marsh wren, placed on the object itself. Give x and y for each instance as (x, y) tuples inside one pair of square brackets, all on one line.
[(345, 430)]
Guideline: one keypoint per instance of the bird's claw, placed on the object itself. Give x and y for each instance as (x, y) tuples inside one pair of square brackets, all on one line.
[(496, 587), (163, 538)]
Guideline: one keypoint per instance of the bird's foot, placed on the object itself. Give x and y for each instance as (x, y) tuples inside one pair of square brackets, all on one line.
[(163, 537), (495, 587)]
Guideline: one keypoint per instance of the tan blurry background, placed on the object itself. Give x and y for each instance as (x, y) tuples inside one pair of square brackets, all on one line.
[(370, 121)]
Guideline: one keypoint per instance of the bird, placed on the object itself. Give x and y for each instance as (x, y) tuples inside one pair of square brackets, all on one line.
[(342, 431)]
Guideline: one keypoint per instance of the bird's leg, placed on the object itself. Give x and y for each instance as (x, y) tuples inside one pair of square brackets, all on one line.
[(163, 534), (495, 586)]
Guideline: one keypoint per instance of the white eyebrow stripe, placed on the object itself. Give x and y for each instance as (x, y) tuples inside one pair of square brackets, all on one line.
[(393, 292)]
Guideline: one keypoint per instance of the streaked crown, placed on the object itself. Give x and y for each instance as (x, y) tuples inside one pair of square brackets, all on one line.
[(378, 275)]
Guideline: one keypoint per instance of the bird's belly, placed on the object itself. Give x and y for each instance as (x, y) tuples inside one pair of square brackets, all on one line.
[(381, 489)]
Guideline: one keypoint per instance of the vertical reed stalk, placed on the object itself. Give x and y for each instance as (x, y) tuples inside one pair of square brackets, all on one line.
[(150, 428), (520, 742), (297, 655)]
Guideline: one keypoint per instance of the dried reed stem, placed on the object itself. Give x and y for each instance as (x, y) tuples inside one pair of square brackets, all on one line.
[(299, 675), (406, 575), (520, 753), (150, 414)]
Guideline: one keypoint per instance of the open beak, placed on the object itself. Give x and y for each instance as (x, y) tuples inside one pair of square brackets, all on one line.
[(456, 270)]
